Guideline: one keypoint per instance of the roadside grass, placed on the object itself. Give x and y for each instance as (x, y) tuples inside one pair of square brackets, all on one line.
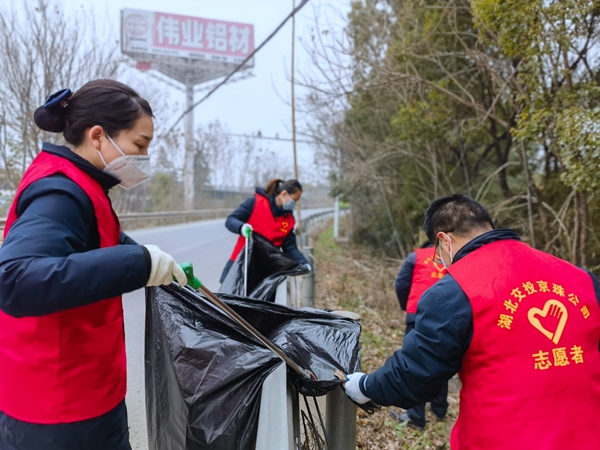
[(351, 278)]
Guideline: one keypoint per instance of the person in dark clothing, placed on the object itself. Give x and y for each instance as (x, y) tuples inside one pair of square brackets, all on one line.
[(419, 272), (64, 265), (520, 325), (269, 213)]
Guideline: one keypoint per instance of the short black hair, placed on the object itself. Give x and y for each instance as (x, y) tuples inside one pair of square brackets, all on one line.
[(458, 214)]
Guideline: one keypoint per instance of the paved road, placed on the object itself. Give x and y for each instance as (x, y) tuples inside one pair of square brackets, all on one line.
[(207, 246)]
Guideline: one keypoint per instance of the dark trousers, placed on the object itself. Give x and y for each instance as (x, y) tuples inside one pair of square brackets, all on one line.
[(439, 405), (107, 432)]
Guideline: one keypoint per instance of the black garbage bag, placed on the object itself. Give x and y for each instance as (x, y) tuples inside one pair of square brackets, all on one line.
[(204, 372), (268, 267)]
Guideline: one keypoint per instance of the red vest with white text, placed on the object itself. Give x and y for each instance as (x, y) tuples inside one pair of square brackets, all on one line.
[(426, 273), (275, 229), (531, 375), (70, 365)]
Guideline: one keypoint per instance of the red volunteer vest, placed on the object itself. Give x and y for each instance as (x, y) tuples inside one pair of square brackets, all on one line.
[(426, 273), (70, 365), (275, 229), (531, 376)]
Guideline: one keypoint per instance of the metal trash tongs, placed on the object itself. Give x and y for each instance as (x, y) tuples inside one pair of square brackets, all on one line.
[(197, 285), (248, 234)]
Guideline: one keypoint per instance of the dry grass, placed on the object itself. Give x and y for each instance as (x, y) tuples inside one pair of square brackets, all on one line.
[(350, 278)]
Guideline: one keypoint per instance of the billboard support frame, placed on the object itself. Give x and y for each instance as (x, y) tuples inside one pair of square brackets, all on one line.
[(191, 51)]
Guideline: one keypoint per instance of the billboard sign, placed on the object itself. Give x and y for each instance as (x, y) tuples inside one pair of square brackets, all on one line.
[(193, 38)]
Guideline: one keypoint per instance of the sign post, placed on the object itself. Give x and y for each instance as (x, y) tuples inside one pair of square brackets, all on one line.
[(190, 50)]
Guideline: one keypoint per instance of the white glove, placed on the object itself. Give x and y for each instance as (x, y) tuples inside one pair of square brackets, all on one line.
[(163, 268), (308, 267), (246, 228), (352, 389)]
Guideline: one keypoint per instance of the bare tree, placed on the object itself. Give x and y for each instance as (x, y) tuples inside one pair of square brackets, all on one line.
[(44, 48)]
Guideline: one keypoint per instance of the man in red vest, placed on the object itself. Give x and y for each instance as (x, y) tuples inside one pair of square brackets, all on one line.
[(419, 272), (521, 326)]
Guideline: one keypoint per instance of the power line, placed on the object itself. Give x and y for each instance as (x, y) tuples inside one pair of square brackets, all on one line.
[(269, 138), (241, 65)]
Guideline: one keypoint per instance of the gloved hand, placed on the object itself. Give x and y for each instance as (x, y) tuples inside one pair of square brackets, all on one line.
[(308, 267), (246, 229), (163, 268), (352, 389)]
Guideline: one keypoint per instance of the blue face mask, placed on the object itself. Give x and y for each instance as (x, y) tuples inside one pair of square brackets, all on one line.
[(289, 205)]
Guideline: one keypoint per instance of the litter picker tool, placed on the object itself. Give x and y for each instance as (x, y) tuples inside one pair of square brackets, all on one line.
[(248, 233), (197, 285)]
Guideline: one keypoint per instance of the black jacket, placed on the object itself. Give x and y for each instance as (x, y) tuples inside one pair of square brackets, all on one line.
[(51, 259), (433, 352), (403, 281), (241, 215)]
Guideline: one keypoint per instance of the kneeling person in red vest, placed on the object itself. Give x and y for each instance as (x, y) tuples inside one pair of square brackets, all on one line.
[(520, 326), (64, 265), (270, 213), (420, 271)]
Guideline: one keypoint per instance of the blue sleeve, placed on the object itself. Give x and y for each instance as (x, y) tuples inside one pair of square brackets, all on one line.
[(124, 239), (432, 353), (290, 248), (46, 263), (240, 216), (404, 280)]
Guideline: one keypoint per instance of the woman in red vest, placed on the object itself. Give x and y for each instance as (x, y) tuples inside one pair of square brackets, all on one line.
[(64, 265), (269, 213)]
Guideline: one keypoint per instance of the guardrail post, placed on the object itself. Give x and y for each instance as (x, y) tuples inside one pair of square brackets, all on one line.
[(340, 416), (308, 280), (276, 416), (340, 420), (281, 294), (336, 219)]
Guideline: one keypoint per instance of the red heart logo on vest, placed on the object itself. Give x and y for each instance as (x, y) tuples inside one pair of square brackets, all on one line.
[(552, 308)]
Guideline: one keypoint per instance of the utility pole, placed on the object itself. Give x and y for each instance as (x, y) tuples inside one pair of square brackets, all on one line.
[(298, 208), (336, 205), (188, 166), (189, 66)]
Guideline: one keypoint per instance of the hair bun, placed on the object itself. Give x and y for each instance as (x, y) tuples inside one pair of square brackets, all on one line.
[(52, 116), (50, 120)]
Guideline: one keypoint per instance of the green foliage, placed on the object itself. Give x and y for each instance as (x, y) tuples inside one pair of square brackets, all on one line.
[(463, 96), (558, 80), (516, 23), (578, 140)]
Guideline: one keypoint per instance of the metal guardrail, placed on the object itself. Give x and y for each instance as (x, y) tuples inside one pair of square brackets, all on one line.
[(316, 221), (130, 220), (316, 218), (198, 213), (170, 217)]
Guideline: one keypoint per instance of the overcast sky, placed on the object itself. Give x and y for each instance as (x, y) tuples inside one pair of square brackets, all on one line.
[(259, 102)]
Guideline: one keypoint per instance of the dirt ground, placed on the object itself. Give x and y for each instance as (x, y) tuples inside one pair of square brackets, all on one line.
[(350, 278)]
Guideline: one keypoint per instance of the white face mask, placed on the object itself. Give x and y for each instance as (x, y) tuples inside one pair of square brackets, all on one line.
[(451, 256), (131, 170)]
